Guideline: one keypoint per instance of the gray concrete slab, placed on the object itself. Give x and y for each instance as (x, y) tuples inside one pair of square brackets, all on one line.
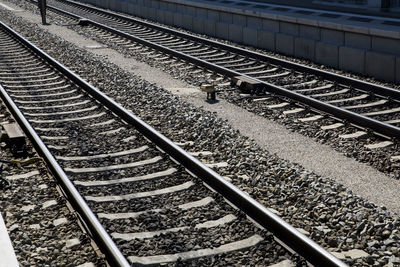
[(239, 20), (160, 16), (327, 54), (163, 5), (187, 22), (178, 20), (213, 15), (357, 40), (310, 32), (172, 6), (198, 25), (269, 15), (152, 12), (270, 25), (307, 21), (118, 5), (355, 27), (181, 9), (255, 23), (222, 30), (304, 48), (266, 40), (289, 28), (201, 12), (210, 28), (226, 17), (124, 6), (284, 44), (352, 59), (112, 5), (284, 17), (250, 36), (332, 36), (376, 62), (330, 24), (131, 8), (191, 11), (386, 31), (155, 4), (386, 45), (236, 33), (146, 12), (102, 3), (138, 10), (169, 17)]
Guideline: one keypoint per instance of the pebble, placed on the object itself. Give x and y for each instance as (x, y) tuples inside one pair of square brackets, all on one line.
[(34, 226), (355, 253), (49, 203), (60, 221), (72, 243), (28, 208), (304, 232)]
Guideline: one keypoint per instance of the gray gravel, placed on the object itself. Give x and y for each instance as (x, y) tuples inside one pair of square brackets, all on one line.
[(363, 179), (354, 148), (325, 210), (215, 225), (40, 225)]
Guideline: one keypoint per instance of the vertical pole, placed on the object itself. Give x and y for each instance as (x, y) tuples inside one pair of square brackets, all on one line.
[(42, 8)]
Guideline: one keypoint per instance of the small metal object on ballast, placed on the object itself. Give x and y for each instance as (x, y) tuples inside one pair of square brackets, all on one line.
[(247, 84), (83, 22), (14, 137), (210, 90)]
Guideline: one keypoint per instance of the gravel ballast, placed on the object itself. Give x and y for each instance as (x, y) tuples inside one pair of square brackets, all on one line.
[(357, 148), (327, 212), (43, 230)]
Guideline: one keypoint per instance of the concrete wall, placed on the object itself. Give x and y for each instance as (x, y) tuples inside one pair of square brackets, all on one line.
[(367, 50), (364, 3)]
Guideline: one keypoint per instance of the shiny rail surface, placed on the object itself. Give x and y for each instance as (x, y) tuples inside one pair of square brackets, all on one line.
[(59, 104), (362, 103)]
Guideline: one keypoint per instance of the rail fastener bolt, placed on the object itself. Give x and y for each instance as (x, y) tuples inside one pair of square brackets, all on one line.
[(210, 90)]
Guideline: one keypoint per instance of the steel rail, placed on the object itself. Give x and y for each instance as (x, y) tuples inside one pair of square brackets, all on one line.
[(357, 119), (99, 234), (301, 244), (352, 117), (97, 231), (362, 85)]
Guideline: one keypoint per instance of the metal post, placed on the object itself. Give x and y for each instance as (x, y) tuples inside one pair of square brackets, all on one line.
[(42, 8)]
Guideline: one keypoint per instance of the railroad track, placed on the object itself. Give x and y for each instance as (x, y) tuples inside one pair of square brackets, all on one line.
[(146, 191), (363, 104)]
